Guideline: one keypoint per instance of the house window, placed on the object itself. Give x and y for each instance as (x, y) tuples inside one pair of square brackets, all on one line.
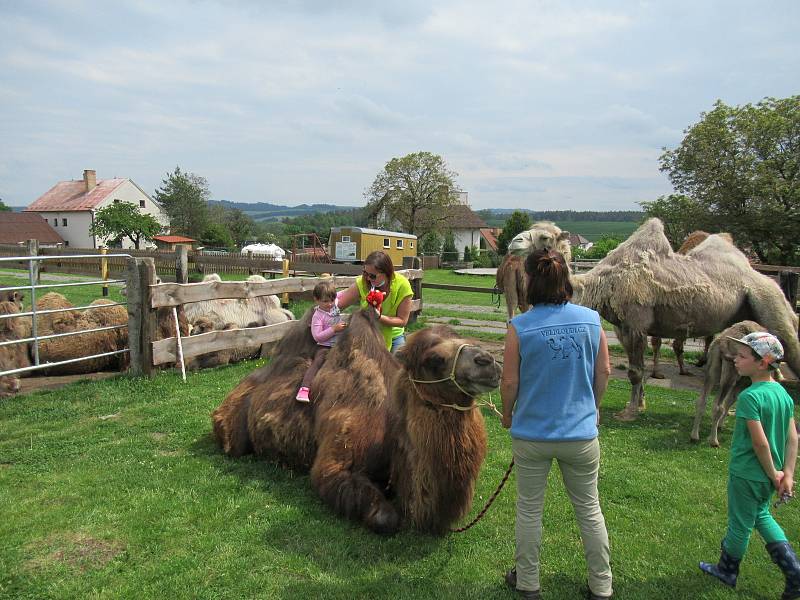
[(386, 243), (66, 243), (141, 203), (64, 222), (117, 200), (345, 238), (55, 222), (399, 244), (410, 244)]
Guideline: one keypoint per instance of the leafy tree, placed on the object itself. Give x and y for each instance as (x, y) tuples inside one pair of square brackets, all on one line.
[(449, 250), (416, 190), (184, 197), (124, 220), (516, 223), (3, 206), (430, 243), (681, 216), (742, 165), (603, 246)]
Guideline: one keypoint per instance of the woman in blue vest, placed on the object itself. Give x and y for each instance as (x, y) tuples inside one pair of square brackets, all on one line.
[(555, 373)]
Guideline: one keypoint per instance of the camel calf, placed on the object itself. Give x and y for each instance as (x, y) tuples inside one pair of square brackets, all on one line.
[(720, 373)]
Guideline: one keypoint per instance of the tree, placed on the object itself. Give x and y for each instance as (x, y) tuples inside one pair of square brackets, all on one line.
[(742, 165), (681, 215), (3, 206), (516, 223), (217, 235), (430, 243), (184, 197), (602, 247), (124, 220), (416, 190), (449, 250)]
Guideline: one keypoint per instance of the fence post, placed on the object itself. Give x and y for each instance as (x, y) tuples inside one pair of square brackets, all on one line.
[(285, 297), (181, 264), (249, 262), (414, 262), (133, 291), (33, 250), (104, 269)]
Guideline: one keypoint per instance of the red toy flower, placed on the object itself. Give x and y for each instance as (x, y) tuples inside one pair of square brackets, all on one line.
[(375, 299)]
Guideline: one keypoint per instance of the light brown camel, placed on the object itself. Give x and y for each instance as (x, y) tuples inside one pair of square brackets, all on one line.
[(693, 240), (721, 374), (389, 441), (510, 278), (644, 288)]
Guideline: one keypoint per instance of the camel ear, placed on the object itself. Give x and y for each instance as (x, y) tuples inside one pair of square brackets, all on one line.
[(433, 361), (564, 235)]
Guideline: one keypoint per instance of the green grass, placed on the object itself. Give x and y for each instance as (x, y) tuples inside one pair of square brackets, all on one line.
[(115, 489)]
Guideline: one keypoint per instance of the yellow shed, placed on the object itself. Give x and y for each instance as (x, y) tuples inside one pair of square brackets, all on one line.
[(353, 244)]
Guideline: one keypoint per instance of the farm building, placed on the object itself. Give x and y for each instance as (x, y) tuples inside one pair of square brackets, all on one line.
[(353, 244), (17, 228)]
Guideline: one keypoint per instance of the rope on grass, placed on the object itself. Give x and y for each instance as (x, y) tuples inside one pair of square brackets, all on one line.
[(489, 503)]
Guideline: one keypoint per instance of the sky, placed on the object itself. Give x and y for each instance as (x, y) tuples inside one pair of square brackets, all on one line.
[(542, 105)]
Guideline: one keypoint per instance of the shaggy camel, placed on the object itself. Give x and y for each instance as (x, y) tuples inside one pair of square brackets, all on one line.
[(692, 240), (510, 278), (644, 288), (721, 374), (389, 440), (13, 356)]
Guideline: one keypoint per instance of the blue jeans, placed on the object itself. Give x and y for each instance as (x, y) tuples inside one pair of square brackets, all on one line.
[(398, 342)]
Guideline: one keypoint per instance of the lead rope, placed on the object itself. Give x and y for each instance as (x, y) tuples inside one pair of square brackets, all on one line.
[(489, 503)]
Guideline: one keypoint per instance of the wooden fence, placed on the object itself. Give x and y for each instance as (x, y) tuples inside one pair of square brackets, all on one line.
[(146, 297)]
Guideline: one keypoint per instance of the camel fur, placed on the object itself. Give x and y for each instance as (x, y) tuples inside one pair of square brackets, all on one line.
[(693, 240), (381, 449), (720, 374), (644, 288), (13, 356)]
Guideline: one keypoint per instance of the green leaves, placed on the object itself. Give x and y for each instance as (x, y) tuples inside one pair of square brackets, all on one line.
[(124, 220)]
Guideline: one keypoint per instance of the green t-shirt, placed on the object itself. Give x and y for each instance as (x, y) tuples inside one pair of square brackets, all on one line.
[(399, 290), (768, 403)]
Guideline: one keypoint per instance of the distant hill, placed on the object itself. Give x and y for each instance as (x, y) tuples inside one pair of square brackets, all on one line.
[(265, 211)]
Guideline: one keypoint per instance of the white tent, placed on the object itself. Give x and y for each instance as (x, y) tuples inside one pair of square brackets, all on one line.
[(270, 250)]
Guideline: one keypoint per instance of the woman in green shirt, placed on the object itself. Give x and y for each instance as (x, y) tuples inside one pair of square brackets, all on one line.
[(379, 275)]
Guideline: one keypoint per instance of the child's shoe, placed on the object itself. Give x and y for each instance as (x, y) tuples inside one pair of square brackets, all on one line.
[(302, 395)]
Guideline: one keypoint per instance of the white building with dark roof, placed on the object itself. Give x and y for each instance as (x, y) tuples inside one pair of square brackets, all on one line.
[(69, 207)]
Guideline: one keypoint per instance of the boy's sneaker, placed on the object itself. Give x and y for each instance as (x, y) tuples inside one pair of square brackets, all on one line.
[(302, 395)]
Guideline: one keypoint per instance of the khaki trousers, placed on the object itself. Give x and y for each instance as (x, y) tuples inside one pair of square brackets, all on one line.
[(579, 463)]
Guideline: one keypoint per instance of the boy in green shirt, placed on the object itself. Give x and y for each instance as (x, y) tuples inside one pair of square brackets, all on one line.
[(763, 455)]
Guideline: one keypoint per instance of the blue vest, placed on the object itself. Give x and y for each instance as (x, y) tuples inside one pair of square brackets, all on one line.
[(558, 345)]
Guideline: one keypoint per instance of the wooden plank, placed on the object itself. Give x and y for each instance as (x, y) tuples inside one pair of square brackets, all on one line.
[(165, 351), (416, 306), (174, 294)]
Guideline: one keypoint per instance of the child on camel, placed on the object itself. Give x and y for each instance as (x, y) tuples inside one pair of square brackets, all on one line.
[(763, 455), (326, 323)]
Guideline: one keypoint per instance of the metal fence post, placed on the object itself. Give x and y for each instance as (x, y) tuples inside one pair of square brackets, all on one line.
[(33, 250)]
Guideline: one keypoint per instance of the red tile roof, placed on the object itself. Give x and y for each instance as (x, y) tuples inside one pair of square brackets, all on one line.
[(18, 227), (491, 239), (72, 195), (173, 239)]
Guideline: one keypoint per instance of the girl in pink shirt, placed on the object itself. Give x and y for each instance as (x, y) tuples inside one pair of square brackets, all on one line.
[(326, 323)]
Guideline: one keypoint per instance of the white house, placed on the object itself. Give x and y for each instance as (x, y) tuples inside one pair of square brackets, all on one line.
[(69, 207)]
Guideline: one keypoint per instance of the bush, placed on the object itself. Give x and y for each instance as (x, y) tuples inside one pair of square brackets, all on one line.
[(487, 260)]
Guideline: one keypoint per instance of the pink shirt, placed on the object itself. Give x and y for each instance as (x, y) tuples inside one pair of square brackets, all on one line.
[(322, 323)]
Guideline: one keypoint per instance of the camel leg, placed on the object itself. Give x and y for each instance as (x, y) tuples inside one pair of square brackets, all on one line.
[(701, 362), (728, 391), (677, 347), (349, 493), (700, 408), (655, 343), (511, 302), (634, 343)]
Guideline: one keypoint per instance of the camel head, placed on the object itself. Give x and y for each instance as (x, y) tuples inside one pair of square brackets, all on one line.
[(541, 235), (447, 369)]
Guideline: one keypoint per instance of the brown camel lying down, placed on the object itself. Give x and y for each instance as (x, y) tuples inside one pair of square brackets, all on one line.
[(380, 443)]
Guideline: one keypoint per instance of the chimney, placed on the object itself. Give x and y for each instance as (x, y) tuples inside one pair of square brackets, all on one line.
[(90, 179)]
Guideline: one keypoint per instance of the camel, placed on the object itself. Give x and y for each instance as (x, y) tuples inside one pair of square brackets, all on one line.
[(692, 240), (721, 374), (644, 288), (510, 278), (13, 356), (390, 441)]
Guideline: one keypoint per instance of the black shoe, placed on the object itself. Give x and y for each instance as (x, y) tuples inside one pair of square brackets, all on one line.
[(783, 555), (726, 570), (511, 580)]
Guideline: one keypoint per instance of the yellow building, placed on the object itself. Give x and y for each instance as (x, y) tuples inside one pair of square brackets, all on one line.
[(353, 244)]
